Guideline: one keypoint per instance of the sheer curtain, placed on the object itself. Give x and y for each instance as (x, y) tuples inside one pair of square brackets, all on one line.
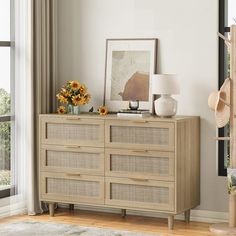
[(24, 123), (22, 145), (35, 67)]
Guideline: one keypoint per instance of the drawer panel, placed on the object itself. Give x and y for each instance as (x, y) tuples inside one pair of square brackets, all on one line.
[(140, 193), (140, 134), (72, 130), (84, 160), (139, 163), (61, 187)]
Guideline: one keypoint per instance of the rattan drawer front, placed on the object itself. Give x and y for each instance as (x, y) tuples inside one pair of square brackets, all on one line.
[(136, 163), (84, 160), (72, 131), (140, 134), (72, 188), (140, 193)]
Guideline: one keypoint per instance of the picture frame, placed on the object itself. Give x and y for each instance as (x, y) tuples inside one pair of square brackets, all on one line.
[(128, 69)]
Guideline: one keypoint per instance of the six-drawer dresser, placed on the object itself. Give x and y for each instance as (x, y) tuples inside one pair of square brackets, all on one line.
[(148, 164)]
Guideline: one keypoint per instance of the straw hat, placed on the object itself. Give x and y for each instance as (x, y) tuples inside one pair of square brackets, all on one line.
[(222, 111)]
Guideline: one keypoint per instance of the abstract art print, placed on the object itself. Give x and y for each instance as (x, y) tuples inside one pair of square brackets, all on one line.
[(129, 65)]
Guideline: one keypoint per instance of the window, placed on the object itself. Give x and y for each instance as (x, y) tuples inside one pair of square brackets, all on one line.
[(6, 99), (227, 17)]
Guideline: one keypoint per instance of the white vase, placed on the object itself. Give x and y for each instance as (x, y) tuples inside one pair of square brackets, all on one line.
[(73, 110)]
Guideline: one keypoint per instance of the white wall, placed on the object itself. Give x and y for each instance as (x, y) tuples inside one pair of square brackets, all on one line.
[(188, 46)]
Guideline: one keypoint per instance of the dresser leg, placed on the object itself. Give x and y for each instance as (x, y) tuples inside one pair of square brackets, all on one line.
[(123, 213), (51, 208), (71, 207), (170, 222), (187, 216)]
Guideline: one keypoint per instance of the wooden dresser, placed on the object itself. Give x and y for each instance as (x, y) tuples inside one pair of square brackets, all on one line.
[(149, 164)]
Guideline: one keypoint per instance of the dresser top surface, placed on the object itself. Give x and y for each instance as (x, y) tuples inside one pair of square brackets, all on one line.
[(88, 115)]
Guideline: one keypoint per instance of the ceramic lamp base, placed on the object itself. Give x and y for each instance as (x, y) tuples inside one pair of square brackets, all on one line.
[(165, 106)]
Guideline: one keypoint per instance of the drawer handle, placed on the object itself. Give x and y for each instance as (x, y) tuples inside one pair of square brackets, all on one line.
[(140, 121), (72, 118), (72, 146), (73, 174), (139, 179), (140, 151)]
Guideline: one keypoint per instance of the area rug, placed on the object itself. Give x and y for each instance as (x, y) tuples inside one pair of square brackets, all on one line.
[(32, 228)]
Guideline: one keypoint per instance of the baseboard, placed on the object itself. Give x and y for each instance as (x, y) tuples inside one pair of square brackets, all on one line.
[(209, 216), (196, 215), (14, 209)]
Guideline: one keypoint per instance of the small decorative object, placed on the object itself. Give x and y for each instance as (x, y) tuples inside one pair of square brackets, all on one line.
[(103, 110), (165, 85), (128, 113), (219, 101), (129, 64), (231, 176), (61, 110), (133, 105), (74, 95), (91, 109)]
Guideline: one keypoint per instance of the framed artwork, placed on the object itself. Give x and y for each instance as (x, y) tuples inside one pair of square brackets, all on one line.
[(129, 65)]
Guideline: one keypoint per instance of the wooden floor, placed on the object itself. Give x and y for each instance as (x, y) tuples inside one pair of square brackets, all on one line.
[(108, 220)]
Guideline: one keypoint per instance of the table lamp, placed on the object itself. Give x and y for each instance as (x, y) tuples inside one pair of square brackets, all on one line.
[(165, 85)]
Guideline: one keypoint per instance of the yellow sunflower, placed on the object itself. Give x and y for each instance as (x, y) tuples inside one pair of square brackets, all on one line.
[(76, 100), (62, 99), (103, 110), (65, 93), (82, 101), (87, 97), (83, 89), (75, 85), (61, 110)]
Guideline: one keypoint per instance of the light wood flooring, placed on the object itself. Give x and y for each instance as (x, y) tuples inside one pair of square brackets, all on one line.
[(108, 220)]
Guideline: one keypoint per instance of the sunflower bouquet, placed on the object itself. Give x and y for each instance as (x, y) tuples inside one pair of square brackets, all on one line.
[(73, 94)]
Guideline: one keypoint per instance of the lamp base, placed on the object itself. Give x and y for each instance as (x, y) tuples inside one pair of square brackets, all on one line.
[(222, 229), (165, 106)]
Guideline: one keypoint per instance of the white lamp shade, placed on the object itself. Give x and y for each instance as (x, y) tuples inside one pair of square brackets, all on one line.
[(165, 84)]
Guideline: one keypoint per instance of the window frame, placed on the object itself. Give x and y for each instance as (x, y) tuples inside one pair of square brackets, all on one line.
[(222, 171)]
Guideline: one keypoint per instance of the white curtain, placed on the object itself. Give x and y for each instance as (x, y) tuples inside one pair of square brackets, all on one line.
[(24, 100), (22, 94), (35, 73)]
